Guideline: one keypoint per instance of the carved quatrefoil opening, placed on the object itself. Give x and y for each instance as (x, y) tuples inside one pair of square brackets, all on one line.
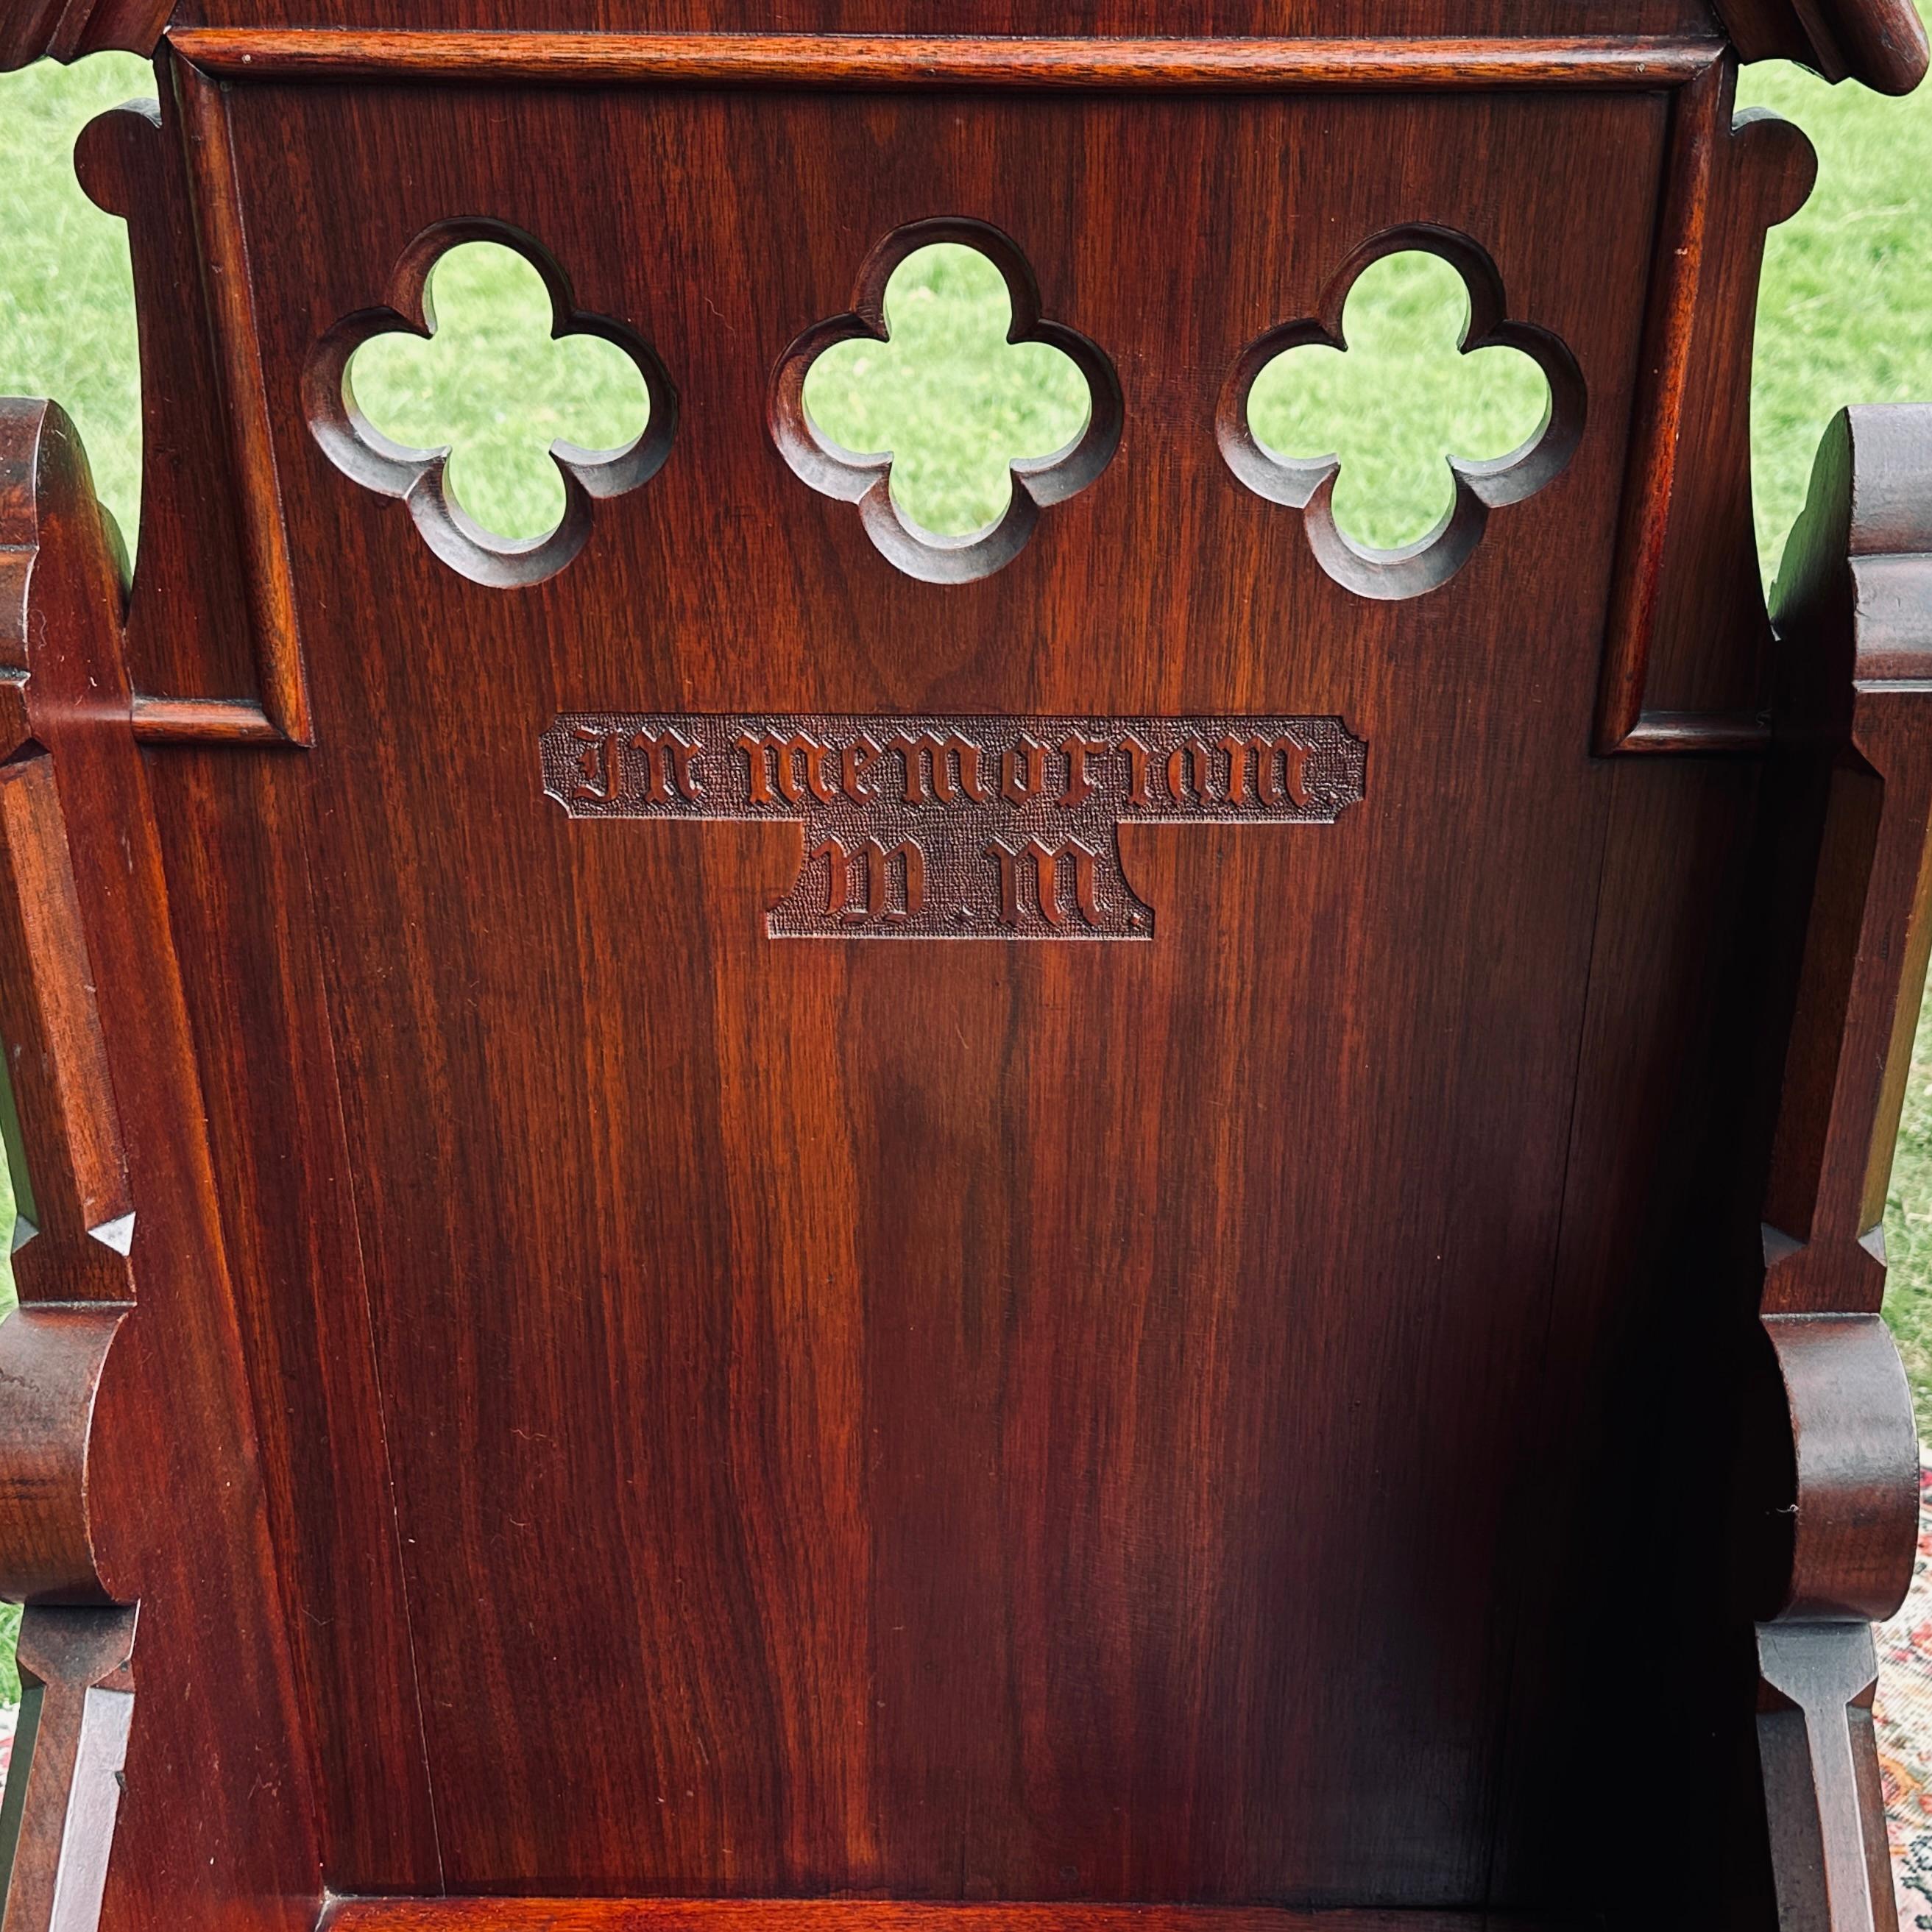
[(485, 400), (969, 446), (1402, 412)]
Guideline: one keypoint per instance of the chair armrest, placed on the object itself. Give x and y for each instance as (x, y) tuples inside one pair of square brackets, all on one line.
[(1854, 616)]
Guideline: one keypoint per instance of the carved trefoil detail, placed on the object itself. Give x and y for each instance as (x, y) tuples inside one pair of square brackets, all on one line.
[(959, 827)]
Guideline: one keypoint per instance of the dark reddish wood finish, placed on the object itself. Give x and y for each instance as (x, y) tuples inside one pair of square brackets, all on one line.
[(667, 1421), (895, 62), (1854, 613), (973, 1680), (1687, 655), (131, 1470), (791, 1915), (70, 1752), (66, 29), (1882, 44)]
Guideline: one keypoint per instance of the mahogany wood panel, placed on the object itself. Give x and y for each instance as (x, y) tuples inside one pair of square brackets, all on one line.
[(1097, 1639), (746, 1418), (1631, 1416), (253, 978), (798, 1915), (217, 1816)]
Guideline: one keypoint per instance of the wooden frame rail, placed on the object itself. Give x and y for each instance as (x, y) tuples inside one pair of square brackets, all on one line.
[(841, 1914), (1217, 65)]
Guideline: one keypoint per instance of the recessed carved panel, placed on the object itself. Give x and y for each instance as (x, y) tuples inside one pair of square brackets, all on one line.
[(420, 476), (957, 828), (1417, 407), (1038, 481)]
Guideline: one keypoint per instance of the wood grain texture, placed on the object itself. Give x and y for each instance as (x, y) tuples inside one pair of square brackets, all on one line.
[(66, 29), (1298, 20), (905, 61), (63, 1782), (1855, 620), (250, 964), (52, 1360), (192, 643), (700, 1422), (1688, 632), (75, 1220), (172, 1510), (265, 540), (1880, 42), (204, 720), (884, 1573), (825, 1915)]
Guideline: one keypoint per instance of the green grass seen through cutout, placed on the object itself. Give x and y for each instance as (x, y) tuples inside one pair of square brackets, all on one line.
[(953, 400), (1399, 400), (495, 387)]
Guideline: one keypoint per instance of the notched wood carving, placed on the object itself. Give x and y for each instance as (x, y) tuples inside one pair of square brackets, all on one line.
[(1308, 485), (63, 1792), (957, 828), (419, 477), (1038, 482)]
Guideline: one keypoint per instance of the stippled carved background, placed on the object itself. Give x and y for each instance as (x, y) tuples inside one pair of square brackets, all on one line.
[(953, 828)]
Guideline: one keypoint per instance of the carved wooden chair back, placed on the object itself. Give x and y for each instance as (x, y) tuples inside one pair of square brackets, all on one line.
[(740, 1218)]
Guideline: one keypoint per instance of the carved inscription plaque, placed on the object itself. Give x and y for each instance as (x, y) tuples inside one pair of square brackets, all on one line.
[(957, 828)]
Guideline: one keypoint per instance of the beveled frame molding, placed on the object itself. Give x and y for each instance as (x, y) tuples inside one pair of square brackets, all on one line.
[(1308, 484), (419, 477), (1703, 140), (920, 61), (848, 476)]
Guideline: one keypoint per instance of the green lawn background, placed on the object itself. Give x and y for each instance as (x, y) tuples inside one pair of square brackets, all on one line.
[(1846, 315)]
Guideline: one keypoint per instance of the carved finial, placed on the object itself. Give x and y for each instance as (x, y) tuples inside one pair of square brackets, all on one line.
[(64, 30), (1880, 42), (1854, 594)]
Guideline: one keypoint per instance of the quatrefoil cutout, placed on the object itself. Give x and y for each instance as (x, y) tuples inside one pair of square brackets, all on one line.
[(495, 400), (914, 403), (1408, 416)]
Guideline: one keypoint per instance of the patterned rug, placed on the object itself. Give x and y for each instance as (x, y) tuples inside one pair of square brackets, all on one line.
[(1903, 1712)]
